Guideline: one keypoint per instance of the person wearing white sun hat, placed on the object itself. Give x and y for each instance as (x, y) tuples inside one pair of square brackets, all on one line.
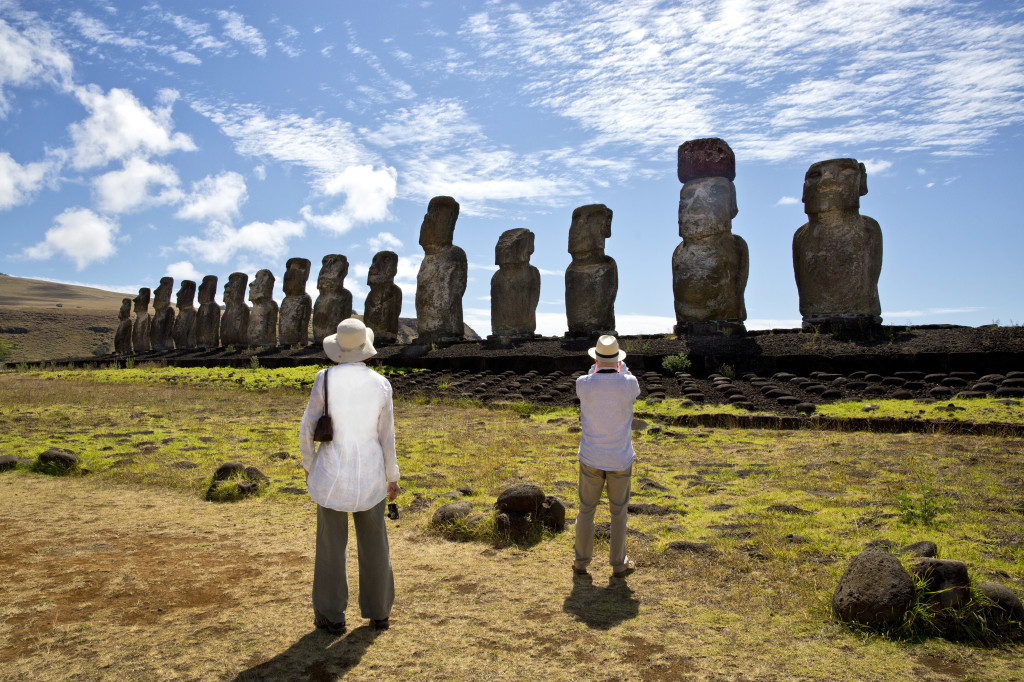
[(352, 473), (607, 393)]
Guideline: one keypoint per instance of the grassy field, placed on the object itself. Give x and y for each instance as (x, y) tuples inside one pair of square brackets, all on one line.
[(131, 554)]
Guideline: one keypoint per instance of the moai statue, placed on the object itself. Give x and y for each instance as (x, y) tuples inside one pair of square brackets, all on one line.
[(185, 323), (710, 266), (837, 253), (123, 335), (384, 302), (334, 303), (441, 280), (262, 329), (592, 279), (208, 318), (140, 328), (234, 322), (297, 306), (162, 327), (515, 287)]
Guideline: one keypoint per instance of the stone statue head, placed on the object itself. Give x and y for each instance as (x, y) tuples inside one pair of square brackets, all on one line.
[(295, 275), (706, 206), (234, 290), (591, 225), (514, 246), (162, 295), (262, 287), (383, 268), (707, 157), (126, 309), (333, 271), (835, 184), (186, 294), (438, 228), (142, 301), (208, 289)]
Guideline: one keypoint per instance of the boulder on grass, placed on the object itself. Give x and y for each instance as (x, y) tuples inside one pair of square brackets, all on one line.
[(59, 460), (1006, 605), (228, 470), (515, 524), (947, 581), (552, 514), (875, 590), (8, 462), (925, 548), (522, 498), (453, 511)]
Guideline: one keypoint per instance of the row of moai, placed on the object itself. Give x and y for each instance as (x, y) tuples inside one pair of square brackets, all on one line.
[(837, 258)]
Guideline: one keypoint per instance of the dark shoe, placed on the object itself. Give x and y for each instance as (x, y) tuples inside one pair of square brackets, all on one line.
[(626, 569), (580, 571), (331, 628), (380, 624)]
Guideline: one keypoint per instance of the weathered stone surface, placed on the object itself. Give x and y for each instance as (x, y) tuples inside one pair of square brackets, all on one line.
[(208, 318), (123, 335), (706, 157), (523, 498), (441, 280), (262, 329), (552, 514), (59, 459), (1006, 604), (947, 581), (228, 470), (515, 287), (162, 325), (383, 305), (515, 524), (8, 462), (453, 511), (234, 321), (297, 306), (334, 303), (185, 323), (141, 326), (254, 474), (837, 253), (592, 279), (925, 548), (875, 589)]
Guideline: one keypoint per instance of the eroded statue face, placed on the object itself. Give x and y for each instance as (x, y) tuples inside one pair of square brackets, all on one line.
[(126, 309), (333, 271), (384, 268), (438, 227), (186, 294), (833, 185), (208, 289), (591, 225), (142, 300), (234, 290), (163, 292), (514, 246), (262, 286), (295, 276), (706, 206)]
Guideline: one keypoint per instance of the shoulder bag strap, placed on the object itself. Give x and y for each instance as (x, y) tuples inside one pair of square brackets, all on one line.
[(326, 375)]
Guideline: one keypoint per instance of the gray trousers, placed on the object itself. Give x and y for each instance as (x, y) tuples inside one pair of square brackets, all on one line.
[(591, 482), (330, 575)]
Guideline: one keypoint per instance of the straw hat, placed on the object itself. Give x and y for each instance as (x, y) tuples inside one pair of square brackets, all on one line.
[(352, 343), (607, 350)]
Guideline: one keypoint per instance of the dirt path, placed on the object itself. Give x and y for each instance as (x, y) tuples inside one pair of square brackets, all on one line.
[(103, 581)]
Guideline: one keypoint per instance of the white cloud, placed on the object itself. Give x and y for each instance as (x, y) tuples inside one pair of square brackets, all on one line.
[(368, 193), (260, 172), (129, 189), (119, 126), (239, 31), (30, 54), (787, 201), (183, 270), (876, 165), (644, 324), (763, 323), (929, 312), (921, 171), (80, 235), (221, 242), (216, 199), (384, 241), (17, 182)]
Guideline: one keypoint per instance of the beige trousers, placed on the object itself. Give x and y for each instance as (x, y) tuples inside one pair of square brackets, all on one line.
[(330, 575), (591, 483)]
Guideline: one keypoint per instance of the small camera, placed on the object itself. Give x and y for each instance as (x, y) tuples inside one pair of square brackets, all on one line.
[(392, 510)]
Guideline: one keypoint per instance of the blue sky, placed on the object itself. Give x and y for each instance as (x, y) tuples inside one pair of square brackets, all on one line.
[(139, 140)]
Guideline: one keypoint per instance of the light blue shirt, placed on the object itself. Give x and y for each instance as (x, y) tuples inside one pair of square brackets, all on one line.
[(606, 416)]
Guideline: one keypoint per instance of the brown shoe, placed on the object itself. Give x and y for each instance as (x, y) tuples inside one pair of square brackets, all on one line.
[(580, 571), (335, 629), (627, 568), (380, 624)]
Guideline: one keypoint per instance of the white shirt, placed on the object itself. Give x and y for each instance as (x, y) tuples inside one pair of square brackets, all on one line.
[(606, 418), (351, 472)]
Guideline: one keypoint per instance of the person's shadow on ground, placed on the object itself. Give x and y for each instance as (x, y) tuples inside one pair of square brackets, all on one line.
[(316, 656), (601, 607)]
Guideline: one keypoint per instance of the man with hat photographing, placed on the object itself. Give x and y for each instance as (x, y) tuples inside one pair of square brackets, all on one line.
[(607, 393)]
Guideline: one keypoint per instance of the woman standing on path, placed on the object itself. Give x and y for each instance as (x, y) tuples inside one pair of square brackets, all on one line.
[(352, 473)]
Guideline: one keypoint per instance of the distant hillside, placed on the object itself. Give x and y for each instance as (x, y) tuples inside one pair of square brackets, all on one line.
[(49, 321)]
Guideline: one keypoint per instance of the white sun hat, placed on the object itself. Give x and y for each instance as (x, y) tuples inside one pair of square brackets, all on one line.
[(607, 350), (352, 343)]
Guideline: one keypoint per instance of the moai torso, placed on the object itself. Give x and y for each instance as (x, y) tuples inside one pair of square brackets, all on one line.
[(383, 304), (262, 330), (592, 279), (208, 317), (837, 254), (297, 306), (162, 326), (141, 326), (441, 280), (123, 335), (334, 303), (234, 322), (515, 287), (710, 267), (185, 323)]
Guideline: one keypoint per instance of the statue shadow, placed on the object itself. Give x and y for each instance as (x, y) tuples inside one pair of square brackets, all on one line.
[(315, 656), (601, 608)]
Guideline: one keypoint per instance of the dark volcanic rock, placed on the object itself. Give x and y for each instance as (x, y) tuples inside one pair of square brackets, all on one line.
[(453, 511), (228, 470), (552, 514), (875, 589), (8, 462), (1005, 603), (523, 498), (947, 581), (60, 460)]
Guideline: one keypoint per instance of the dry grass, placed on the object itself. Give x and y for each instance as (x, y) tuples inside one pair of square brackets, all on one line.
[(127, 574)]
